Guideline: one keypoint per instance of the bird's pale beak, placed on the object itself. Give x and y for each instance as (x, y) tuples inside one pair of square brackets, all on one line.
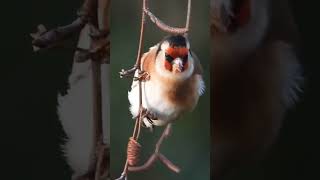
[(177, 66)]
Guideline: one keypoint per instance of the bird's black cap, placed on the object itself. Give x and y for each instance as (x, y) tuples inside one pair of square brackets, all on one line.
[(176, 40)]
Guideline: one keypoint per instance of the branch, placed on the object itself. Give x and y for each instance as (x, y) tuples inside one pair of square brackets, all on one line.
[(166, 28), (99, 32), (44, 39), (157, 156)]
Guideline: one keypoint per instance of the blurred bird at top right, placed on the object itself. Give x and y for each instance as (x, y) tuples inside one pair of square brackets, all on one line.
[(256, 78)]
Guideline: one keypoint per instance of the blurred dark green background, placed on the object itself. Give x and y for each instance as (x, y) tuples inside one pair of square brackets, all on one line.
[(189, 144)]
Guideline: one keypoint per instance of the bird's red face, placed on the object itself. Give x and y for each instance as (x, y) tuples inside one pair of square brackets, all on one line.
[(176, 59), (175, 49)]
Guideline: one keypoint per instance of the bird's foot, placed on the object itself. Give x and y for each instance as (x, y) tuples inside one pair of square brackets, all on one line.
[(151, 115), (145, 113), (142, 76)]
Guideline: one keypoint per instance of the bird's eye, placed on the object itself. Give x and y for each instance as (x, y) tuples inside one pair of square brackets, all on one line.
[(169, 58)]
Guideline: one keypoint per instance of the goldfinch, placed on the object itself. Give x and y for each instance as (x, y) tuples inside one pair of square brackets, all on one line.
[(173, 84)]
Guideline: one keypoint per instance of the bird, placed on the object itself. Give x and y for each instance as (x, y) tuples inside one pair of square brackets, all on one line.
[(256, 77), (173, 83)]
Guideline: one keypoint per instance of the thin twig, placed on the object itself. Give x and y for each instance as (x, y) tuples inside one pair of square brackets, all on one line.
[(168, 163), (97, 110), (44, 39), (188, 15), (101, 158), (166, 28), (136, 66), (99, 33), (146, 165), (137, 127)]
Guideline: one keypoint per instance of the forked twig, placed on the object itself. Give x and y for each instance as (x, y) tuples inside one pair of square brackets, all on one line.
[(46, 39)]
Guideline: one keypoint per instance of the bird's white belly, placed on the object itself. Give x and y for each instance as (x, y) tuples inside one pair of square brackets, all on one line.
[(153, 94), (155, 102)]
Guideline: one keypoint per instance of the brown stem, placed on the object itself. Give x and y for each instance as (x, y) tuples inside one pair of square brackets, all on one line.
[(146, 165), (164, 135), (136, 131), (188, 15), (102, 162), (99, 48), (143, 19), (168, 163), (97, 110), (104, 14), (164, 27)]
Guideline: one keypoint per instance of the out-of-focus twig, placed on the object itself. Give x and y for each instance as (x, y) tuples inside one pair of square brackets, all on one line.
[(96, 14)]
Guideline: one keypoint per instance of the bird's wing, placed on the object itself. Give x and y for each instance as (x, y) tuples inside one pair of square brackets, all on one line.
[(198, 71), (197, 66), (147, 60)]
